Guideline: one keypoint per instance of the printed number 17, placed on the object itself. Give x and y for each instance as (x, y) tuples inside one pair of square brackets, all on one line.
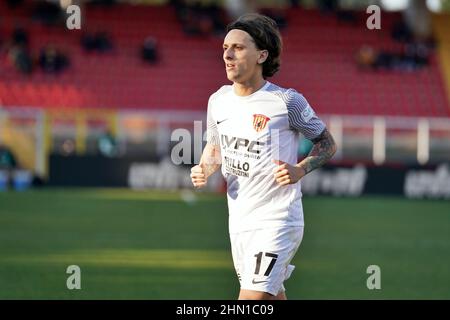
[(271, 264)]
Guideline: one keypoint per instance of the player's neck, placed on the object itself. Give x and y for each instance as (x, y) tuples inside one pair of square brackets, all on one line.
[(249, 87)]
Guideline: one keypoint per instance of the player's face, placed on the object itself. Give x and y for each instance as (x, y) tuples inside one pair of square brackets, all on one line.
[(241, 57)]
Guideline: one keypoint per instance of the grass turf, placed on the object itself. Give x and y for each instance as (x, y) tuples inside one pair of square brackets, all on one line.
[(156, 245)]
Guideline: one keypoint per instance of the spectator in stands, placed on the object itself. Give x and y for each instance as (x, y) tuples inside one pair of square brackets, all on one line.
[(199, 19), (88, 42), (347, 16), (214, 12), (366, 57), (68, 147), (327, 5), (103, 42), (47, 12), (418, 53), (99, 42), (107, 144), (413, 58), (278, 15), (149, 50), (20, 58), (52, 60), (190, 19), (7, 159), (8, 164), (401, 33), (180, 9), (20, 36), (18, 52)]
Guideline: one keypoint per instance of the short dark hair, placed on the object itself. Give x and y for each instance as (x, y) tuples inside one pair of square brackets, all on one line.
[(266, 36)]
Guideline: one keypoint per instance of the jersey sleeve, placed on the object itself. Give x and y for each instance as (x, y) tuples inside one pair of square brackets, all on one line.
[(212, 135), (302, 116)]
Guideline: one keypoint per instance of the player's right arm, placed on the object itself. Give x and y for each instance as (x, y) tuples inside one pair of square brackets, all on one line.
[(209, 163), (210, 160)]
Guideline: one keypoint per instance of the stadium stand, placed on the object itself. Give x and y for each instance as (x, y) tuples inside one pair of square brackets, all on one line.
[(318, 61)]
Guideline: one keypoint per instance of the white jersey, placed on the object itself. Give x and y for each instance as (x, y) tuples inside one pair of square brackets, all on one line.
[(253, 131)]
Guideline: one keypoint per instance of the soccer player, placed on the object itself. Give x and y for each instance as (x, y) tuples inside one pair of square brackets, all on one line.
[(253, 129)]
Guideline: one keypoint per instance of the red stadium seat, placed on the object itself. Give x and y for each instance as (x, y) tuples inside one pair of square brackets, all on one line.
[(318, 61)]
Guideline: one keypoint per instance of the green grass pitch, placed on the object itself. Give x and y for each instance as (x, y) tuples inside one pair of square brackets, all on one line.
[(155, 245)]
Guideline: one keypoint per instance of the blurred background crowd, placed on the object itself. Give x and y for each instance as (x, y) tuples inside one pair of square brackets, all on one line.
[(137, 70)]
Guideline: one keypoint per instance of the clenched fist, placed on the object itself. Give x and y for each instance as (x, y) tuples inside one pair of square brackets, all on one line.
[(285, 173), (198, 176)]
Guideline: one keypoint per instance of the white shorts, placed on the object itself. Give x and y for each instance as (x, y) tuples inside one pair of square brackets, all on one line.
[(261, 257)]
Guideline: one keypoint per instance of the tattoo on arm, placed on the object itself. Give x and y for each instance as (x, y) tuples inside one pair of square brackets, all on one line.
[(211, 159), (324, 148)]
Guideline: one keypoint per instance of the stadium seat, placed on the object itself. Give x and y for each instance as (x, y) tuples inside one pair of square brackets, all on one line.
[(318, 61)]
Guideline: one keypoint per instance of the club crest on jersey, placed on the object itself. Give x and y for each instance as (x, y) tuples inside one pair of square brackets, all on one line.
[(259, 122)]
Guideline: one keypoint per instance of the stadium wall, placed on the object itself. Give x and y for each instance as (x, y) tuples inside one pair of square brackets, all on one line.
[(339, 180)]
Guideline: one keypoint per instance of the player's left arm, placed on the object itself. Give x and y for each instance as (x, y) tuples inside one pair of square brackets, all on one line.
[(323, 149)]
